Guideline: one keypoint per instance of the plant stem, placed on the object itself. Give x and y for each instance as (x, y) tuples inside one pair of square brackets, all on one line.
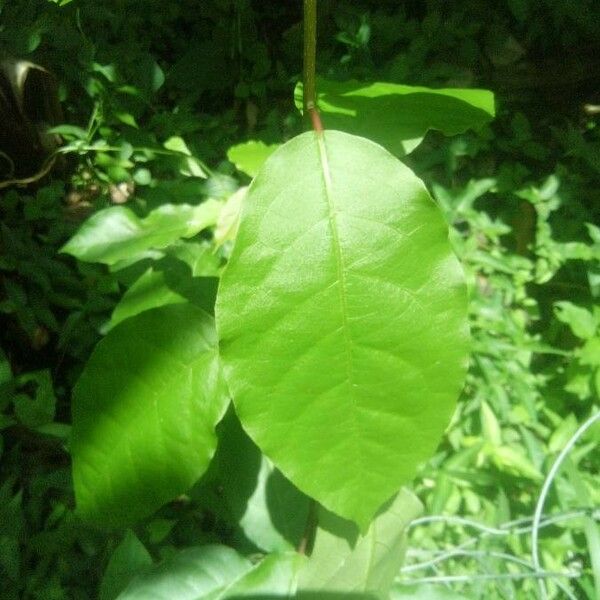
[(308, 537), (310, 65)]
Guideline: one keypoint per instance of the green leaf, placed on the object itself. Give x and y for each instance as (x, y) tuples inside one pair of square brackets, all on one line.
[(192, 167), (149, 291), (117, 233), (38, 408), (270, 511), (398, 116), (581, 321), (490, 426), (144, 412), (229, 219), (343, 560), (342, 321), (216, 573), (250, 156), (129, 558)]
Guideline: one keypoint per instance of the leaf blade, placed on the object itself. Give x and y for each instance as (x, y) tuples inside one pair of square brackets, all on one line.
[(322, 323)]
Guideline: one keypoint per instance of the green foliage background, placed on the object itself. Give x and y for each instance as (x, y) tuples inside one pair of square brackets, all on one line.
[(154, 94)]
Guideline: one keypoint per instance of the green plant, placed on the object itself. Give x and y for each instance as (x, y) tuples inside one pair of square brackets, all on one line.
[(342, 338), (151, 115)]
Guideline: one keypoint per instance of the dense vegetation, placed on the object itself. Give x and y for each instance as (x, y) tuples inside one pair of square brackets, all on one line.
[(156, 102)]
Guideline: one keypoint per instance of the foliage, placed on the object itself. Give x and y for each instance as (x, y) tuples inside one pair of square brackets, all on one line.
[(150, 120)]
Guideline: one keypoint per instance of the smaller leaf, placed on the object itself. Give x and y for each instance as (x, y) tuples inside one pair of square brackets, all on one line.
[(192, 166), (581, 321), (191, 574), (490, 426), (229, 219), (117, 233), (216, 573), (270, 511), (250, 156), (343, 560), (129, 558), (5, 370)]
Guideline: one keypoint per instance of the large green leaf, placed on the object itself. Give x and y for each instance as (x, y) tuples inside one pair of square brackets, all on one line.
[(216, 573), (117, 233), (144, 411), (342, 321), (398, 116), (343, 560)]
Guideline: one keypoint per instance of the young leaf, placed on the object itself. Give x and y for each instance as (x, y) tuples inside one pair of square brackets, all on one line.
[(344, 560), (144, 412), (342, 320), (117, 233), (398, 116)]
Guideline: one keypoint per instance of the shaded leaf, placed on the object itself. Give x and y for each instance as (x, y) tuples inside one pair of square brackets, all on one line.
[(343, 560), (250, 156), (271, 512), (398, 116)]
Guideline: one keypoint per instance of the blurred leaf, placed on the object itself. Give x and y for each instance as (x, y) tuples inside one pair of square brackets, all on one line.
[(229, 218), (491, 430), (426, 592), (37, 407), (250, 156), (144, 412), (117, 233), (193, 167), (128, 559), (581, 321), (5, 370)]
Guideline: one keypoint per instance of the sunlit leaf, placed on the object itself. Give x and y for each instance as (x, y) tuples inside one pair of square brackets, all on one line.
[(398, 116), (342, 321)]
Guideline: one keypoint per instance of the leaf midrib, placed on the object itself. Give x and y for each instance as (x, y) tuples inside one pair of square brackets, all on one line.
[(340, 273)]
